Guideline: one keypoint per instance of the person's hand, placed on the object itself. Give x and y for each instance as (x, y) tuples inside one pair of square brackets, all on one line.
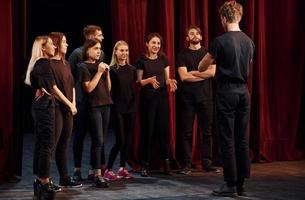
[(106, 67), (172, 84), (153, 81), (102, 67), (73, 109)]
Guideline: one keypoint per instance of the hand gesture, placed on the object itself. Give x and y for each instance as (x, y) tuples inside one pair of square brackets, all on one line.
[(102, 67), (172, 85), (153, 81)]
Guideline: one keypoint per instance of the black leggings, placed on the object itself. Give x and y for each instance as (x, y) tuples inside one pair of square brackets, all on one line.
[(123, 130), (63, 132), (82, 124)]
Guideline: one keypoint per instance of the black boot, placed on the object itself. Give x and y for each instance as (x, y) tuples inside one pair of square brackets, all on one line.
[(45, 192), (35, 187), (167, 167)]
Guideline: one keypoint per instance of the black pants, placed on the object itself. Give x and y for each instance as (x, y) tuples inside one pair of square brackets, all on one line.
[(99, 119), (187, 111), (43, 112), (63, 132), (124, 124), (154, 113), (233, 111), (82, 125)]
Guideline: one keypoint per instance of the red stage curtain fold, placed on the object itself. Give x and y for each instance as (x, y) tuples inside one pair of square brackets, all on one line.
[(6, 88)]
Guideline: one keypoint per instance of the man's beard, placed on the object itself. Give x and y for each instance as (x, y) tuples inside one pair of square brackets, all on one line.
[(194, 42)]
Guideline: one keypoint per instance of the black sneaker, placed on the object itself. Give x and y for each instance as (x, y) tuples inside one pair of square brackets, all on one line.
[(68, 182), (241, 191), (144, 172), (185, 171), (100, 182), (55, 187), (77, 176), (211, 168), (46, 192), (225, 191)]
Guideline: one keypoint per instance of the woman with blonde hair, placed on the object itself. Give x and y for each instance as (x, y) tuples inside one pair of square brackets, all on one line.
[(39, 76), (123, 79)]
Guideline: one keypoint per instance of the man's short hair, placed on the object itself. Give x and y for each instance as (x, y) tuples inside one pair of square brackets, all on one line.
[(193, 27), (90, 30), (232, 11)]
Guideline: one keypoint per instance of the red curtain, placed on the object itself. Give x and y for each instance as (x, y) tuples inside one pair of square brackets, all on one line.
[(277, 73), (10, 65), (6, 86)]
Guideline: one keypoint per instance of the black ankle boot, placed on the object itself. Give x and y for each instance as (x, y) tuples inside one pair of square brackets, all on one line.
[(167, 167), (45, 192), (36, 184)]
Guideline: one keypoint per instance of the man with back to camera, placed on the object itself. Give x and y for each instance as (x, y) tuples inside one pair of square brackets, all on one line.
[(233, 52)]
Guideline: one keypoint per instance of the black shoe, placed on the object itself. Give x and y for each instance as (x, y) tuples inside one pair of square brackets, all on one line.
[(225, 191), (185, 171), (90, 177), (46, 192), (211, 168), (35, 187), (241, 191), (100, 182), (167, 167), (144, 172), (68, 182), (77, 176), (55, 187)]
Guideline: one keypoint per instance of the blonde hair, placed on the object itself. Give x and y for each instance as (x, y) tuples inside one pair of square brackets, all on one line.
[(232, 11), (114, 59), (37, 53)]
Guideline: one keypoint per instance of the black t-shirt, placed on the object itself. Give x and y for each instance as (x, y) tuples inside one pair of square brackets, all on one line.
[(233, 51), (123, 88), (41, 76), (75, 58), (153, 67), (198, 91), (63, 77), (100, 95)]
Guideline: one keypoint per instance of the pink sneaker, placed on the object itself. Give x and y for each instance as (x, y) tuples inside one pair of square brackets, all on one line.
[(123, 173), (109, 175)]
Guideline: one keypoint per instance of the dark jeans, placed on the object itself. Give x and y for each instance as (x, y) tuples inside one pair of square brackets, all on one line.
[(63, 132), (124, 124), (82, 125), (99, 118), (233, 111), (154, 120), (204, 110), (43, 112)]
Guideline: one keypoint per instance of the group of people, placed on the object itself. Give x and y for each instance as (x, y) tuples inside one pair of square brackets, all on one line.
[(87, 88)]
